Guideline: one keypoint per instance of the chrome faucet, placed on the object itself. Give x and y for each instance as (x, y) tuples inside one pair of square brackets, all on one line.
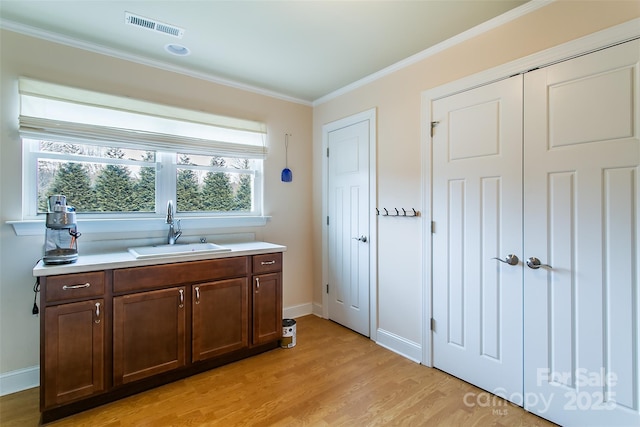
[(173, 234)]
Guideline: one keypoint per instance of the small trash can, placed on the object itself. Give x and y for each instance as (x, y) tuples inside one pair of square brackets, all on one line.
[(288, 333)]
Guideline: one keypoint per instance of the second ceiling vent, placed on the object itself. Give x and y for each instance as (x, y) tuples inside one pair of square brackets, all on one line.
[(153, 25)]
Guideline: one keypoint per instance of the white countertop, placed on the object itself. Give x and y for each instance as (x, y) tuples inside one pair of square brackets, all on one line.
[(124, 259)]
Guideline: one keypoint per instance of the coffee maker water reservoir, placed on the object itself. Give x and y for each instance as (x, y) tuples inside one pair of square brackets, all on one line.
[(61, 239)]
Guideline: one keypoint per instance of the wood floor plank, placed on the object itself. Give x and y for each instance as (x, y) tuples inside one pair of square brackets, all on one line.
[(332, 377)]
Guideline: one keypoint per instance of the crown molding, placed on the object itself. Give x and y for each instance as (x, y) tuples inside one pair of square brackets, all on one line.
[(506, 17), (114, 53), (617, 34)]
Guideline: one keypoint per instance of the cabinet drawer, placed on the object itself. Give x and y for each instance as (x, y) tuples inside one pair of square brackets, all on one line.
[(267, 263), (158, 276), (74, 286)]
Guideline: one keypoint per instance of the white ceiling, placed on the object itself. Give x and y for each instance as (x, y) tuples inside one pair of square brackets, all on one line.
[(301, 50)]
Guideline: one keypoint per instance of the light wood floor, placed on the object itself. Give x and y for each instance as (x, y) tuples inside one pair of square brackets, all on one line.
[(332, 377)]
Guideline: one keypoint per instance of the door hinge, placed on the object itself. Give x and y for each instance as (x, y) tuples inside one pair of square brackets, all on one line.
[(327, 151), (327, 288), (433, 227), (327, 219), (433, 324), (433, 128)]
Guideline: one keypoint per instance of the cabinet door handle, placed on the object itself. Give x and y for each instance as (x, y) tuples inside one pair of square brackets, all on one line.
[(268, 262), (181, 298), (97, 312), (197, 294), (69, 287), (257, 284)]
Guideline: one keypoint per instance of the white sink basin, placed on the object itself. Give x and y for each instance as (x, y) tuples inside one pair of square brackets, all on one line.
[(175, 250)]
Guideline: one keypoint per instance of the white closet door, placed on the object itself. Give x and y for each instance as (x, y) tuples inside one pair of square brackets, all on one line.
[(582, 119), (348, 237), (477, 209)]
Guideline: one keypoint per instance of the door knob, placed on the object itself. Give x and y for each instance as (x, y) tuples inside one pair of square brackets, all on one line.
[(535, 263), (511, 259), (362, 239)]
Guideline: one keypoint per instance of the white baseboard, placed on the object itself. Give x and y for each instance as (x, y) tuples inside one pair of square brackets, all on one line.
[(18, 380), (404, 347), (296, 311), (317, 309)]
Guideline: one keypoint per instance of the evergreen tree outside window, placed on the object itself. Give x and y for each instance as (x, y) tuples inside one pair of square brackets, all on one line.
[(243, 198), (214, 184), (217, 194), (71, 179), (145, 187), (117, 180), (189, 196), (114, 186)]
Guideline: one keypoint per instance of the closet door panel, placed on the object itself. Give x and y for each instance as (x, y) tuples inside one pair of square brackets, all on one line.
[(620, 279), (477, 210), (581, 161)]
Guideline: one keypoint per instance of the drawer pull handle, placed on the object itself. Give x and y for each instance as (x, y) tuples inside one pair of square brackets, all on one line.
[(268, 262), (257, 284), (181, 298), (97, 312), (197, 294), (69, 287)]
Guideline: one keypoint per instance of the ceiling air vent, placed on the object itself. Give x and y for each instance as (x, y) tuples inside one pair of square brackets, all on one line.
[(152, 25)]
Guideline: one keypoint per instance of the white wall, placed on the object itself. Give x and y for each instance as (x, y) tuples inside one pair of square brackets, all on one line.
[(289, 204), (397, 98)]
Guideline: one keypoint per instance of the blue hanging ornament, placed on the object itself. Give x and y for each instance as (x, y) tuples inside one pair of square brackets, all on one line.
[(287, 175)]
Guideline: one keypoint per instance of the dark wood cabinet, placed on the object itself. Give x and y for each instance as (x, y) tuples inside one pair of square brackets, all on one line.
[(136, 279), (266, 304), (73, 338), (149, 334), (267, 308), (108, 334), (74, 352), (220, 318)]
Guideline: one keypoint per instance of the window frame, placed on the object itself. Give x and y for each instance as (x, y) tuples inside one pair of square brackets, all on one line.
[(166, 173)]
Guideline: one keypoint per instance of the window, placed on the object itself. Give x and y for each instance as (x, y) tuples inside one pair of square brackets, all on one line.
[(113, 181), (115, 157), (215, 184)]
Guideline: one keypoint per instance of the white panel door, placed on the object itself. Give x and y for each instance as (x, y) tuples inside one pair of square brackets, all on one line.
[(477, 210), (581, 218), (348, 235)]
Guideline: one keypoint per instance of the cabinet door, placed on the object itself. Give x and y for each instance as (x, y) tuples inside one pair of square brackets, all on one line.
[(73, 352), (220, 317), (267, 308), (148, 334)]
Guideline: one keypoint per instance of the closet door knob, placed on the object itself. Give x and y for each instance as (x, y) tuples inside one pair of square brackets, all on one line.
[(511, 259), (535, 263)]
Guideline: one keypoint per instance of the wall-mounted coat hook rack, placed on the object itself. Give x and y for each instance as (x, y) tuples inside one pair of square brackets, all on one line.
[(396, 212)]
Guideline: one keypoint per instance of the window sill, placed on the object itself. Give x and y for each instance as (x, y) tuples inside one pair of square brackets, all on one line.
[(37, 227)]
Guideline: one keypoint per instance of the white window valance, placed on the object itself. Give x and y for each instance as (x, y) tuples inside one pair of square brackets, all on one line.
[(50, 110)]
